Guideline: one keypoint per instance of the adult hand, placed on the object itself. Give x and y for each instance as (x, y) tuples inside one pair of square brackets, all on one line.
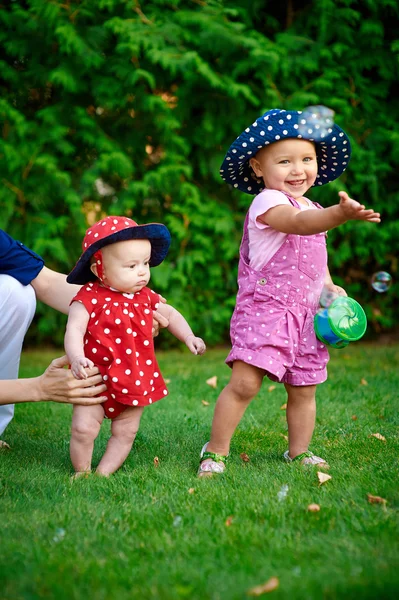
[(158, 320), (58, 384)]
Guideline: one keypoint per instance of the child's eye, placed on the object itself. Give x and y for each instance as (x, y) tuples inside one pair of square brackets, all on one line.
[(147, 262), (132, 266), (284, 162), (308, 159)]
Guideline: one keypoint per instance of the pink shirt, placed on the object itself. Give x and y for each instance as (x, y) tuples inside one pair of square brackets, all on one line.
[(264, 241)]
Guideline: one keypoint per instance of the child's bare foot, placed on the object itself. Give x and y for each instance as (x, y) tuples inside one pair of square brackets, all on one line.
[(80, 474), (99, 474)]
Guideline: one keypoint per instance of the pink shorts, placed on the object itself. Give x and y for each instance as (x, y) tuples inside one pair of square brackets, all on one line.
[(281, 340)]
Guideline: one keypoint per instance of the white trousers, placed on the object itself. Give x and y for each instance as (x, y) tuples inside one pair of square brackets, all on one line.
[(17, 307)]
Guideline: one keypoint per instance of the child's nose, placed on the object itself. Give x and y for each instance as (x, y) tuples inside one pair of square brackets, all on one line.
[(297, 167)]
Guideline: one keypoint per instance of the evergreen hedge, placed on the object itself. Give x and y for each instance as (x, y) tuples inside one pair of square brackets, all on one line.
[(117, 107)]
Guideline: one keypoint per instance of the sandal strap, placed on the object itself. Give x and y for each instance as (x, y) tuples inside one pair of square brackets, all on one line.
[(300, 457), (214, 456)]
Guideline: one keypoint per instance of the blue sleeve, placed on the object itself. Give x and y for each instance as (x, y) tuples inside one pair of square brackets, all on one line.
[(17, 260)]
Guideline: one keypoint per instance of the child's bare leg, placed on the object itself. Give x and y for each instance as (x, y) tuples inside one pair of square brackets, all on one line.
[(124, 429), (86, 423), (243, 386), (301, 415)]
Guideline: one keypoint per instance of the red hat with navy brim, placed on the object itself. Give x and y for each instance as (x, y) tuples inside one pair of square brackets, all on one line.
[(333, 148), (118, 229)]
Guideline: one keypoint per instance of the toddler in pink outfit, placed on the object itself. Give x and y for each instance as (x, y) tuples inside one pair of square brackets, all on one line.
[(282, 271)]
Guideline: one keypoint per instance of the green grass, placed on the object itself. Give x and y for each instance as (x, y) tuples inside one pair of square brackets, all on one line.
[(141, 534)]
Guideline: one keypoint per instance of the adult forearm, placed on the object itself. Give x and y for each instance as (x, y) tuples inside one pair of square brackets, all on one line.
[(20, 390), (57, 384)]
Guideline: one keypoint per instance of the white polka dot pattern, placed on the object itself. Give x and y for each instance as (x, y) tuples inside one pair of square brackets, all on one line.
[(333, 150), (125, 360), (272, 326)]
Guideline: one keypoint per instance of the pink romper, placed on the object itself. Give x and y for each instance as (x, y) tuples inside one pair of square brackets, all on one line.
[(272, 324)]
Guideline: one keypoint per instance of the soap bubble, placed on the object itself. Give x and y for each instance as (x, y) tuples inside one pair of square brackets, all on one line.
[(59, 535), (381, 281), (177, 521), (283, 492), (316, 122)]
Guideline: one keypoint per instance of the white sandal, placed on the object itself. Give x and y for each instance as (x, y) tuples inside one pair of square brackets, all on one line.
[(211, 463), (307, 458)]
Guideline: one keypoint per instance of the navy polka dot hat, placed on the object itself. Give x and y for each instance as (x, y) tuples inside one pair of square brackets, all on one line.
[(333, 148)]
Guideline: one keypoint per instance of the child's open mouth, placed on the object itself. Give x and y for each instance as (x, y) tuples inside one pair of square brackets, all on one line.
[(297, 183)]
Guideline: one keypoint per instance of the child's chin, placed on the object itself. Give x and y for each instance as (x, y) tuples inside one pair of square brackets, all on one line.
[(136, 288)]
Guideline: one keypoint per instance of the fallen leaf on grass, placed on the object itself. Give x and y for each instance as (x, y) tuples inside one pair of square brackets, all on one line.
[(229, 521), (284, 436), (212, 381), (323, 477), (205, 403), (376, 499), (191, 490), (244, 457), (156, 461), (354, 418), (313, 508), (363, 381), (283, 406), (265, 588), (378, 436), (4, 445), (271, 388)]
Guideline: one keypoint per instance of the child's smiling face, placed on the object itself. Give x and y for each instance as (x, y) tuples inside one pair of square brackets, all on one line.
[(288, 166)]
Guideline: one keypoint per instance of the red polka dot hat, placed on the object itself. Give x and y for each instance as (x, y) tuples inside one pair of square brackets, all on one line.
[(118, 229)]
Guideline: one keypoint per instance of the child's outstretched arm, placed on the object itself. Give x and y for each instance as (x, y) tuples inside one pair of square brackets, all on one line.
[(289, 219), (75, 331), (179, 327)]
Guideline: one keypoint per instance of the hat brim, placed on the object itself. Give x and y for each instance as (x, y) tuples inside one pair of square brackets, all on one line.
[(156, 233), (333, 151)]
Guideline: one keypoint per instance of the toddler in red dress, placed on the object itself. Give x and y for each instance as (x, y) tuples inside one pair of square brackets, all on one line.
[(110, 326)]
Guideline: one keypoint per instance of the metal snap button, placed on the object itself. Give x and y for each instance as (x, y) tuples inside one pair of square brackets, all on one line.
[(262, 281)]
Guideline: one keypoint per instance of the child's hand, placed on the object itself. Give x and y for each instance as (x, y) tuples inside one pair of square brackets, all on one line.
[(335, 289), (195, 344), (353, 210), (79, 365)]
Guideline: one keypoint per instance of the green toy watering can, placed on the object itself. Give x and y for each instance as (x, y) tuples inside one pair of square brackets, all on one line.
[(343, 321)]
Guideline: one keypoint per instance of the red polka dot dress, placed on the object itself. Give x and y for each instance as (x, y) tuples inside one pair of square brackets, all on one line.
[(119, 341)]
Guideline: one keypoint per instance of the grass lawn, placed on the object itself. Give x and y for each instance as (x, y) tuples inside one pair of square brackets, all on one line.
[(157, 532)]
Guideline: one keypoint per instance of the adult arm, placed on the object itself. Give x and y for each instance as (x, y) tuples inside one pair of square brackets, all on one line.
[(52, 289), (56, 384)]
